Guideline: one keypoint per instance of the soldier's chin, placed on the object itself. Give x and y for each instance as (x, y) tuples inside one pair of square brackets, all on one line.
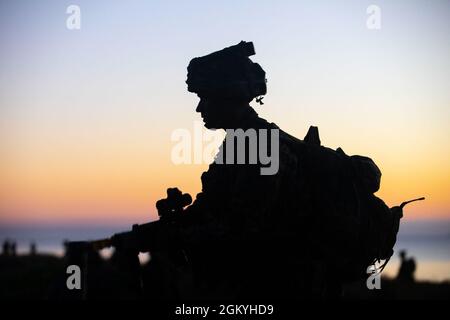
[(210, 124), (210, 127)]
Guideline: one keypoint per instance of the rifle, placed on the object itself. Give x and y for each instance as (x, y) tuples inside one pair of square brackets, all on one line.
[(142, 238), (160, 235)]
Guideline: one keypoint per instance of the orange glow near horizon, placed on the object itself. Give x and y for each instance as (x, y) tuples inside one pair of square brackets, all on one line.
[(121, 186)]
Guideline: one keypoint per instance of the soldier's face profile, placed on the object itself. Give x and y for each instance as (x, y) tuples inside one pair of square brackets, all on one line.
[(220, 113), (211, 112)]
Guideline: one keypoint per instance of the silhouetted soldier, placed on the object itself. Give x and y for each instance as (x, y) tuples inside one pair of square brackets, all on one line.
[(6, 248), (407, 268), (301, 231), (301, 228), (12, 248), (33, 249)]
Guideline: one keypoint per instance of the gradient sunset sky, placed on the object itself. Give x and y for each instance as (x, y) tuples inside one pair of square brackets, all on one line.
[(86, 115)]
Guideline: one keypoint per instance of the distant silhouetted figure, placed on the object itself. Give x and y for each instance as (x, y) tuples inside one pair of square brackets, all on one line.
[(407, 268), (33, 249), (13, 247), (6, 248)]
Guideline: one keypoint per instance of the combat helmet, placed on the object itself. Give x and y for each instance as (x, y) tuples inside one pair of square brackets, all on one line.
[(228, 73)]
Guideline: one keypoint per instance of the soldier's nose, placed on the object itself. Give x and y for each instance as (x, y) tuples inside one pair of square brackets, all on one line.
[(199, 106)]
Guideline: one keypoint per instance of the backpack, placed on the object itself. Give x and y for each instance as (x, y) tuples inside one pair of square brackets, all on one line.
[(347, 226)]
